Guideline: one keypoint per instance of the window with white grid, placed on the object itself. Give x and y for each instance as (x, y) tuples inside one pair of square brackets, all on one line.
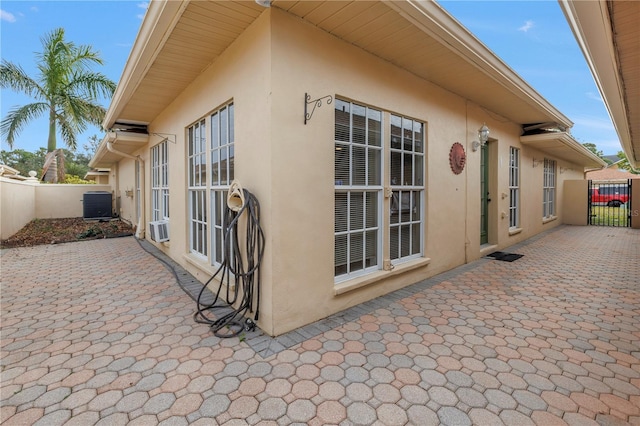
[(222, 156), (549, 189), (358, 189), (160, 181), (197, 188), (514, 187), (407, 184), (359, 197), (211, 170)]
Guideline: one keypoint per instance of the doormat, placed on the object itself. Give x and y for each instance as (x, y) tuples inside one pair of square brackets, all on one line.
[(507, 257)]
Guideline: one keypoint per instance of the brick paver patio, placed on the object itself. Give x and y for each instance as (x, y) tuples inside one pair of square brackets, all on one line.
[(99, 332)]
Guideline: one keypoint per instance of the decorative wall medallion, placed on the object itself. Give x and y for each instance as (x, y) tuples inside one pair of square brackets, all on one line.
[(457, 158)]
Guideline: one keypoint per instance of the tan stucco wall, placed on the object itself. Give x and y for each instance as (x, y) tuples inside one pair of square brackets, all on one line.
[(23, 202), (575, 202), (58, 201), (241, 75), (124, 190), (303, 188), (289, 166), (17, 205)]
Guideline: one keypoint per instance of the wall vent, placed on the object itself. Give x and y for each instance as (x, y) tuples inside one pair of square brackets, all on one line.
[(159, 231)]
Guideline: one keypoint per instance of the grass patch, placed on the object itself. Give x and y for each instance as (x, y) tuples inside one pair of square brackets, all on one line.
[(610, 216)]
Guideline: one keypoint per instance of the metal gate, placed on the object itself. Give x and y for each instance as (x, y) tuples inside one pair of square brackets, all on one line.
[(610, 203)]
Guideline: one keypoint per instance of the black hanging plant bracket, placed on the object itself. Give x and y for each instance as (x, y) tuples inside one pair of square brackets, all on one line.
[(317, 103)]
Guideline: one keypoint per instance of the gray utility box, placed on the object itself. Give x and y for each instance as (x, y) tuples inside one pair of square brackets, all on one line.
[(97, 205)]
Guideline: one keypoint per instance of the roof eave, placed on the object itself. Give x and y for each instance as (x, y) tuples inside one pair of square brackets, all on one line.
[(159, 20), (564, 146), (434, 20), (590, 23), (126, 143)]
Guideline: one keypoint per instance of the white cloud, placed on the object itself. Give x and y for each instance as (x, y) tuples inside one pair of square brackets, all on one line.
[(145, 6), (34, 9), (594, 96), (593, 123), (527, 26), (6, 16)]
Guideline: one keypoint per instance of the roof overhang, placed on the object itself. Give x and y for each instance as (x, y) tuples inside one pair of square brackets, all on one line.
[(562, 145), (609, 36), (179, 40), (115, 146), (8, 171)]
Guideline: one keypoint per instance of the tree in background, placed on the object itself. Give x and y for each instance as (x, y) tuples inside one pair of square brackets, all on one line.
[(593, 148), (623, 164), (65, 88), (91, 146), (76, 164), (23, 161)]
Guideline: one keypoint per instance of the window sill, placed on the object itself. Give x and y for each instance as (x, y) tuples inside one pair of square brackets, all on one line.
[(356, 283), (203, 266), (548, 219), (514, 231), (199, 263)]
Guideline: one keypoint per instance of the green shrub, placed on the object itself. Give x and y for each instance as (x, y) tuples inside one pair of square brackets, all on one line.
[(76, 180)]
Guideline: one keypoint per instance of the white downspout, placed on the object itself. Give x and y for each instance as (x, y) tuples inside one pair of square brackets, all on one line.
[(140, 227)]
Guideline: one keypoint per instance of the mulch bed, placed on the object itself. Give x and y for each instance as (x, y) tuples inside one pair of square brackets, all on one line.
[(56, 231)]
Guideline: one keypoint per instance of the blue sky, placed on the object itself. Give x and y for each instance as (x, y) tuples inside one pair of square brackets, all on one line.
[(532, 37)]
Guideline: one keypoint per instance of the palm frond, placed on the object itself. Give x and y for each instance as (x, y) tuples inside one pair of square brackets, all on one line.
[(84, 57), (14, 77), (18, 118), (68, 132), (65, 84), (93, 84)]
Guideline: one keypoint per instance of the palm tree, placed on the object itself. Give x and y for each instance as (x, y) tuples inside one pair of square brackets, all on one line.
[(65, 88)]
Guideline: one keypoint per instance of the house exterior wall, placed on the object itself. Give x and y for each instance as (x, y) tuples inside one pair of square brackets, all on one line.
[(289, 166), (124, 190), (308, 60), (242, 75)]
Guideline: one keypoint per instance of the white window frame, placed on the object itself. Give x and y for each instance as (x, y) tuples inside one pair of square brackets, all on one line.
[(211, 144), (359, 188), (514, 187), (357, 233), (549, 189), (160, 181), (221, 149), (197, 188), (406, 169)]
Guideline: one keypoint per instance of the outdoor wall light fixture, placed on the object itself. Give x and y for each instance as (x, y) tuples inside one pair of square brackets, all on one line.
[(483, 136), (264, 3)]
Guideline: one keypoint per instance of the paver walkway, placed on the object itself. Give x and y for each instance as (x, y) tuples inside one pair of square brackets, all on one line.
[(98, 332)]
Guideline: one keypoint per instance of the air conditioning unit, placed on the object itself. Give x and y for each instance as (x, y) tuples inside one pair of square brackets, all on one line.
[(159, 230), (96, 205)]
